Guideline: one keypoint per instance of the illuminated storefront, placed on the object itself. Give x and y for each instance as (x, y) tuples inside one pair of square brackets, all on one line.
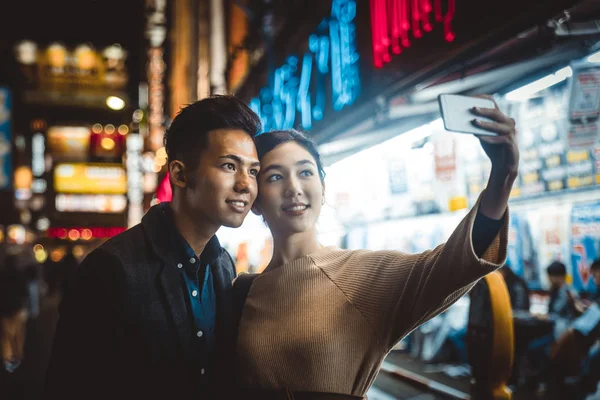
[(398, 180)]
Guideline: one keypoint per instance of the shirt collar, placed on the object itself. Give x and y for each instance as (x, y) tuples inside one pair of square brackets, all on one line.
[(211, 251)]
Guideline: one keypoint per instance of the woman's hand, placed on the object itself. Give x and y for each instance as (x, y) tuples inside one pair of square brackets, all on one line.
[(502, 149), (503, 152)]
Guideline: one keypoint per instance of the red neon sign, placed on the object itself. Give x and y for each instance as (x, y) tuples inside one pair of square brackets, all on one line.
[(394, 21)]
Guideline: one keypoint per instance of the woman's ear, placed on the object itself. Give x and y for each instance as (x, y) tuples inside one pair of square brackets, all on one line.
[(177, 173)]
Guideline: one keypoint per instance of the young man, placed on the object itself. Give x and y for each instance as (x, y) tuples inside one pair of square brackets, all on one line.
[(595, 272), (150, 312), (561, 303)]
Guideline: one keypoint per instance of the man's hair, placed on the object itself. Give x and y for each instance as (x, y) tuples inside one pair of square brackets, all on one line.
[(267, 141), (187, 136), (595, 265), (557, 269)]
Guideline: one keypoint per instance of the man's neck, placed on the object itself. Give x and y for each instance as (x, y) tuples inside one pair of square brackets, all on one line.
[(288, 248), (196, 235)]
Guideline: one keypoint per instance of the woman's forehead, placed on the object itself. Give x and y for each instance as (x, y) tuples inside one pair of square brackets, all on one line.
[(289, 153)]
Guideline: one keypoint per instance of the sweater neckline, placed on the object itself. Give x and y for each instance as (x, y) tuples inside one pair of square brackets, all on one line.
[(301, 258)]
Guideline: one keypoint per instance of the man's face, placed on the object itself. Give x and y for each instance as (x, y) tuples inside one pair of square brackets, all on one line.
[(596, 276), (221, 190), (556, 281)]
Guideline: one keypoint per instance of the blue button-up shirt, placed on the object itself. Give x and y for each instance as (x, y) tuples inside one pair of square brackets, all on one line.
[(197, 283)]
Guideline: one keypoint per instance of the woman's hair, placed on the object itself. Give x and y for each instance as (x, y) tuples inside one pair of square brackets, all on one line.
[(265, 142)]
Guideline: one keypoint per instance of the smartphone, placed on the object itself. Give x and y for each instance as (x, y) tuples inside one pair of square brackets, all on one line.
[(457, 115)]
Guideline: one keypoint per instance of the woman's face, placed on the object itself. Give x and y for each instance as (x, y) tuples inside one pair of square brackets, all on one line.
[(290, 192)]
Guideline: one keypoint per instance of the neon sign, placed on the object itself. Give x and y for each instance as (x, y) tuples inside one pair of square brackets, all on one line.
[(84, 233), (299, 85), (393, 21)]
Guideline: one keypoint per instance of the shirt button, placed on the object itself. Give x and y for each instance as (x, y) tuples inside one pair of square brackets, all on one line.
[(194, 293), (199, 333), (202, 371), (192, 260), (180, 265)]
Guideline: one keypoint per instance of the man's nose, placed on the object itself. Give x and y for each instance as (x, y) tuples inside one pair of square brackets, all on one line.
[(243, 182)]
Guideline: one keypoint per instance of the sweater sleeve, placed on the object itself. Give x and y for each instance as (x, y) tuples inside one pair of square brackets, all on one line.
[(397, 292)]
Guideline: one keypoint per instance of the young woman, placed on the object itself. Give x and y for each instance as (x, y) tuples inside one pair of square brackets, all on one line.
[(318, 322)]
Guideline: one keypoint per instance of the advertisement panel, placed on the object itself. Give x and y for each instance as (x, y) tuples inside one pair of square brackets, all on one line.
[(514, 258), (585, 238), (99, 203), (90, 178), (551, 239), (5, 135), (69, 142)]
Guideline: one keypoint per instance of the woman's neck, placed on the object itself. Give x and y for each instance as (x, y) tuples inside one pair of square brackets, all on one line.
[(288, 248)]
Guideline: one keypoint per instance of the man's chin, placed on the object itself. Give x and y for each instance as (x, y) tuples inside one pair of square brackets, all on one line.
[(234, 222)]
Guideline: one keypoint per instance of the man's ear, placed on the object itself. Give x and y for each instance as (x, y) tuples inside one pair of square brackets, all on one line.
[(177, 173)]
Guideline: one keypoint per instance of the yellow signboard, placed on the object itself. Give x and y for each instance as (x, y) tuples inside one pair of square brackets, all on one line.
[(72, 142), (90, 178)]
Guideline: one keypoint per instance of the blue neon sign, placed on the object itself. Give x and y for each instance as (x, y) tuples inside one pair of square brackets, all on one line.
[(5, 138), (299, 85)]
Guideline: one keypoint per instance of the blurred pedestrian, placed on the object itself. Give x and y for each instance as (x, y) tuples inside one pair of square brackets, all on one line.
[(517, 289), (561, 306), (13, 321)]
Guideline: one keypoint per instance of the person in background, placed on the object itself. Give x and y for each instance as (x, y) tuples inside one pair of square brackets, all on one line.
[(562, 311), (41, 327), (56, 274), (561, 306), (595, 272), (14, 302), (591, 368), (517, 289), (149, 314)]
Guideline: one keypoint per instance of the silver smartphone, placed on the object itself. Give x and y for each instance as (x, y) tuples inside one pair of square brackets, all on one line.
[(457, 114)]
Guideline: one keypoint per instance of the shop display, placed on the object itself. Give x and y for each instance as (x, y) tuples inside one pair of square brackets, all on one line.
[(549, 227), (585, 244), (585, 92), (69, 142), (403, 194), (90, 178)]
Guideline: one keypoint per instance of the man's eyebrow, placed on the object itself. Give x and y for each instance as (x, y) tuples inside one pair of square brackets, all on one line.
[(239, 160)]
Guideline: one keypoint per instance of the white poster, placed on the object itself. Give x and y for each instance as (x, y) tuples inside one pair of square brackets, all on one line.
[(585, 92)]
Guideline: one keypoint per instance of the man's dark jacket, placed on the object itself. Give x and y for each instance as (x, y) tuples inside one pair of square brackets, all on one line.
[(124, 329)]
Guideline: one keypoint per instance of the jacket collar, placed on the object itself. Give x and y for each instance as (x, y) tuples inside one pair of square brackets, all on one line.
[(155, 225), (166, 240)]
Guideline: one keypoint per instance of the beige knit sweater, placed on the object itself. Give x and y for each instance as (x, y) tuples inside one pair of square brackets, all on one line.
[(326, 321)]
